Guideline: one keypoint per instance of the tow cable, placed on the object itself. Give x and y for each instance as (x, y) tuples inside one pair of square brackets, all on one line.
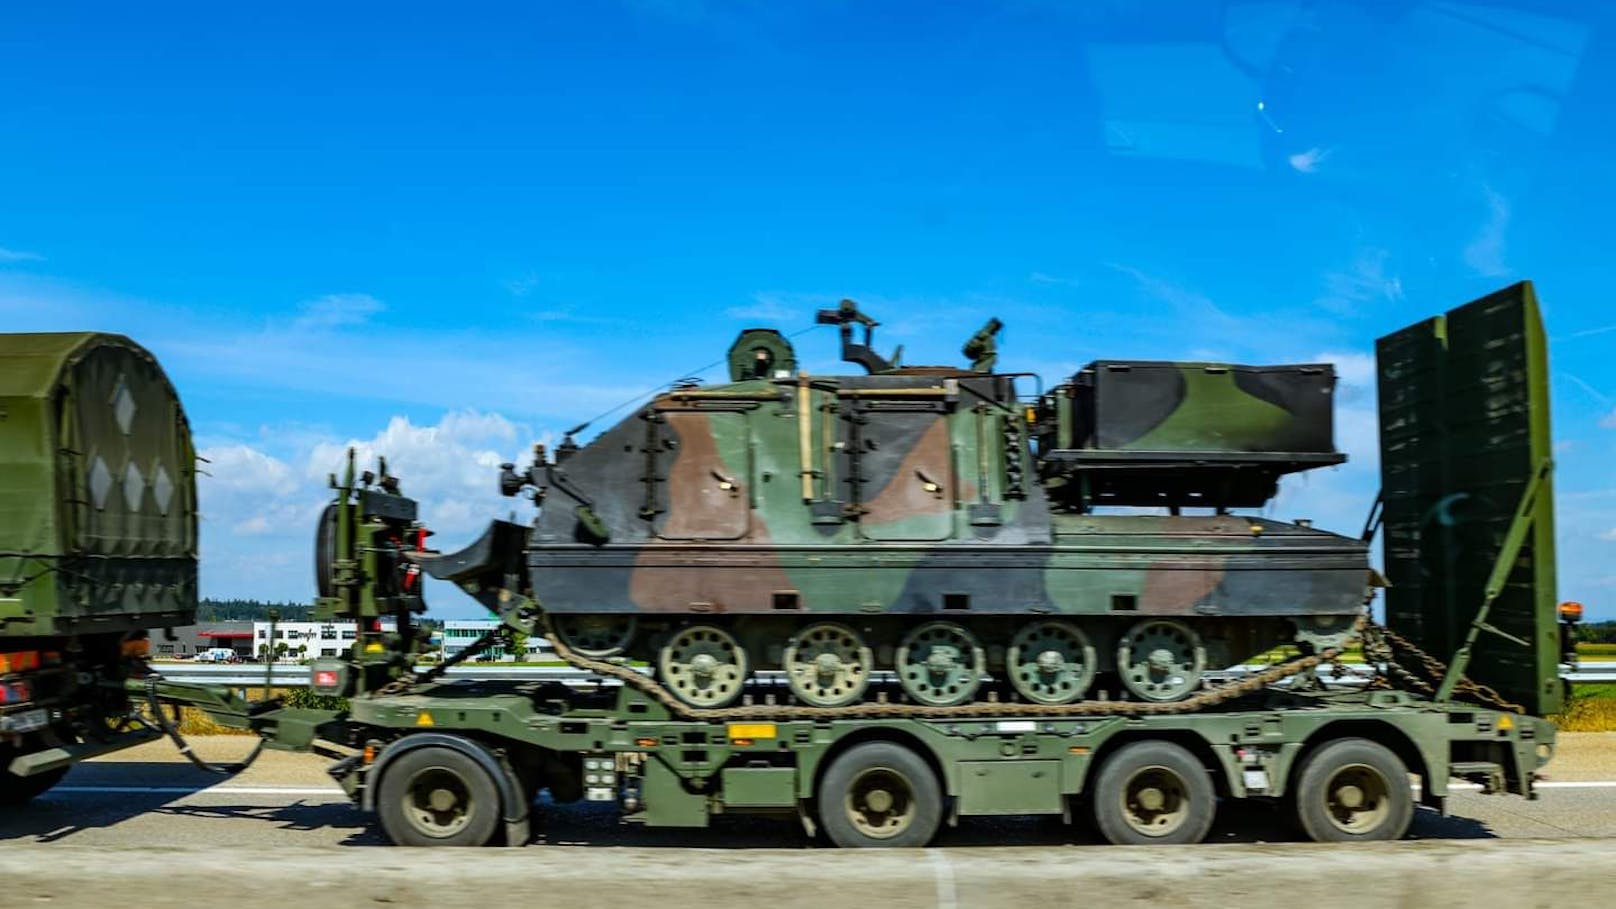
[(171, 728)]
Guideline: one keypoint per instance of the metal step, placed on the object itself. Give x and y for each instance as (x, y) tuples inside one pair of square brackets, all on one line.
[(1487, 773), (65, 755)]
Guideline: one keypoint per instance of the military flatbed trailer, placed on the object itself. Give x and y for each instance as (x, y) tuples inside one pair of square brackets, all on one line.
[(460, 763), (1467, 509), (1470, 655)]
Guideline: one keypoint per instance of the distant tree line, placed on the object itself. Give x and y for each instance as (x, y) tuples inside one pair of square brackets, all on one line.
[(249, 611), (1597, 633), (258, 611)]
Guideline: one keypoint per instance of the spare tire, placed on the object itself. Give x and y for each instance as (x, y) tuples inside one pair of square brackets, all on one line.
[(325, 551)]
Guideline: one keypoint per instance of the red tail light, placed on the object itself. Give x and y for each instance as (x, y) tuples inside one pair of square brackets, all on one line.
[(19, 661)]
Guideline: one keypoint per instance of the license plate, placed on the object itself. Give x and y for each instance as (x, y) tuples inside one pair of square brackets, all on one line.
[(26, 721)]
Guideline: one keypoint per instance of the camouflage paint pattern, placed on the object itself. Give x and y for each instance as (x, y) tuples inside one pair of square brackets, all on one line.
[(907, 494)]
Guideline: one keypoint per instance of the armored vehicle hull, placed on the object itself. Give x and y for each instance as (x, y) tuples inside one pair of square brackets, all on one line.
[(920, 520)]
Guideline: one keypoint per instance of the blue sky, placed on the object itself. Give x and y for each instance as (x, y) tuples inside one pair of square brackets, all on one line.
[(447, 232)]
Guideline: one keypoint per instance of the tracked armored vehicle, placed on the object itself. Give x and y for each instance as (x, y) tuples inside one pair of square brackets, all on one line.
[(934, 523)]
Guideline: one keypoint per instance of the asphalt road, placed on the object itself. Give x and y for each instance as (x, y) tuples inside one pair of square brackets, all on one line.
[(150, 797), (142, 827)]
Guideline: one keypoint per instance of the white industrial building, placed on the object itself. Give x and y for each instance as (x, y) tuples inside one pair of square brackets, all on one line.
[(458, 634), (307, 640)]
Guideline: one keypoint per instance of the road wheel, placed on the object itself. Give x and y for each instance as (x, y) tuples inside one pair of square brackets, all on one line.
[(1153, 792), (880, 794), (436, 796), (1353, 790)]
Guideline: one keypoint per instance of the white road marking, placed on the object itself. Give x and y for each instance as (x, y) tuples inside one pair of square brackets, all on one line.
[(943, 870), (1550, 784)]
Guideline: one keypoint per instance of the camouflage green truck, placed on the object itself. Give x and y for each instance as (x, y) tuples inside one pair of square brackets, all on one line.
[(771, 549), (97, 544)]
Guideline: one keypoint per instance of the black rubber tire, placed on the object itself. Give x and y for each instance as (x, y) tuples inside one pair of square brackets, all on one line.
[(399, 777), (1310, 793), (325, 552), (20, 790), (1199, 801), (924, 795)]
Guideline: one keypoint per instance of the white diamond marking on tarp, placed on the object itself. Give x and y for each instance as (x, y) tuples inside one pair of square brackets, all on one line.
[(100, 482), (134, 486), (162, 488), (123, 406)]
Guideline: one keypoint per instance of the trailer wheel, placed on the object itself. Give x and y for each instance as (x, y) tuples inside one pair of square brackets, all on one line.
[(1353, 790), (1153, 792), (18, 790), (880, 794), (436, 796)]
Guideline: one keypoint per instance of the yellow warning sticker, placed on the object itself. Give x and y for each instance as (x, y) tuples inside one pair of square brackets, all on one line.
[(425, 719)]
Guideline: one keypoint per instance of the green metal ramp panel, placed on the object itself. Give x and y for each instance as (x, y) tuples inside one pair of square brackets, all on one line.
[(1464, 426)]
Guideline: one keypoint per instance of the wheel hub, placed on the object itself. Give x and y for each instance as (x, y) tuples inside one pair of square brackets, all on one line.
[(703, 665), (1161, 660), (940, 664), (1357, 799), (1050, 662), (441, 800), (437, 803), (942, 658), (880, 803), (827, 665), (1155, 801)]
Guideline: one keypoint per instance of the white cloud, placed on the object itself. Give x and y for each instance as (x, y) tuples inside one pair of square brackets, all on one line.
[(451, 467), (1187, 303), (1308, 162), (1354, 369), (337, 310), (260, 509), (1369, 279), (17, 255), (523, 286), (249, 493), (769, 307), (1609, 535), (1485, 253), (1046, 279), (1608, 421)]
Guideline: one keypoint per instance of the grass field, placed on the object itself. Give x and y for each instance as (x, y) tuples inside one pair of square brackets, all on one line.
[(1592, 708)]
